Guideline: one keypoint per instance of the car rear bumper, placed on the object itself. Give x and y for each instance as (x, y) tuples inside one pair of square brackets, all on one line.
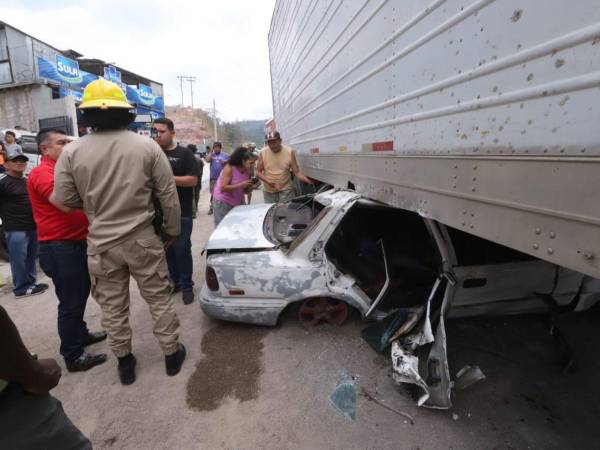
[(257, 311)]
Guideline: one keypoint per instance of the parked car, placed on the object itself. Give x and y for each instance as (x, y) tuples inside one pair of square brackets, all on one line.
[(334, 250)]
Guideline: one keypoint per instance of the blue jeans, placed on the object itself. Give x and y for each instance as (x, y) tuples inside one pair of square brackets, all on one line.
[(179, 257), (66, 264), (22, 251)]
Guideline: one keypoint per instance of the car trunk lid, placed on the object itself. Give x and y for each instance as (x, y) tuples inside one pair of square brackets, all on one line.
[(241, 229)]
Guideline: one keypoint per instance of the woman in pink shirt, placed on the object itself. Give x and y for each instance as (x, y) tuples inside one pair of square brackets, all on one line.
[(234, 181)]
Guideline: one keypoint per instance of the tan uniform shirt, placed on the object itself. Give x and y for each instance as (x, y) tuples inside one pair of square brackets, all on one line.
[(277, 167), (113, 175)]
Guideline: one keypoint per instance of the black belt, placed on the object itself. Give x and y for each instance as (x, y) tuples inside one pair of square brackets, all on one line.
[(77, 242)]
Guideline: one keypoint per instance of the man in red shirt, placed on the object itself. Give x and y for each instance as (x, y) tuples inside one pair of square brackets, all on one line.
[(62, 234)]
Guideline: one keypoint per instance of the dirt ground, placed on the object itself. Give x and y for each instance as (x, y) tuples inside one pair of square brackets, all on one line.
[(246, 387)]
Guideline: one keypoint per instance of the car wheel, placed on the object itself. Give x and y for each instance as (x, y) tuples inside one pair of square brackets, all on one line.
[(315, 311)]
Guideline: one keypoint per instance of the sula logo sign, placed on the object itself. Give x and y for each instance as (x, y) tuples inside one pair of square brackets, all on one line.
[(68, 69), (145, 93)]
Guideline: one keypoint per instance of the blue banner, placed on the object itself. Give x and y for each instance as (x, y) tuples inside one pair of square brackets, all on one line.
[(154, 114), (64, 72), (73, 81), (65, 92), (146, 100)]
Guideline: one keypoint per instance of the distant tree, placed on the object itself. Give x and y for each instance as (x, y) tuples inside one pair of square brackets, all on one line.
[(232, 134)]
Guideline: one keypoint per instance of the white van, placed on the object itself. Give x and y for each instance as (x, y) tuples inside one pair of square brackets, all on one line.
[(26, 139)]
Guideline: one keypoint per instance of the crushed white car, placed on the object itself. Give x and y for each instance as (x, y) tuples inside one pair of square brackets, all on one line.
[(336, 250)]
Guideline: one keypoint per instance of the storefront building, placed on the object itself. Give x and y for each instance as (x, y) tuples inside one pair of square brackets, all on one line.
[(40, 86)]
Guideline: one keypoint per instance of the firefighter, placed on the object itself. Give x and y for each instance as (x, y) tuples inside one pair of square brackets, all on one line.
[(113, 175)]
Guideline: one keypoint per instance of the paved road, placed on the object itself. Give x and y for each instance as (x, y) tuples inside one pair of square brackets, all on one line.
[(253, 387)]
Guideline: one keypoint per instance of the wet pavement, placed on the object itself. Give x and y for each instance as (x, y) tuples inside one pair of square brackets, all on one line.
[(231, 367)]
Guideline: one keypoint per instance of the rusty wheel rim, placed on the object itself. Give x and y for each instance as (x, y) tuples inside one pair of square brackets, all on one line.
[(316, 311)]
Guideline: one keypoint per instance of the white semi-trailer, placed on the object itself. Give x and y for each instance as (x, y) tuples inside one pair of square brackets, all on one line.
[(483, 115)]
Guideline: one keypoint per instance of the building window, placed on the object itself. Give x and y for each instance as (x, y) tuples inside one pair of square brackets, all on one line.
[(5, 73), (55, 92)]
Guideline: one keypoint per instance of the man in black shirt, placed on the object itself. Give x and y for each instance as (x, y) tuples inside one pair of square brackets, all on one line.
[(185, 169), (200, 166), (19, 226)]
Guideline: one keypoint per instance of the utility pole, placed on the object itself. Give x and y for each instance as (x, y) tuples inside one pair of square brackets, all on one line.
[(181, 87), (192, 80), (214, 117), (183, 78), (215, 120)]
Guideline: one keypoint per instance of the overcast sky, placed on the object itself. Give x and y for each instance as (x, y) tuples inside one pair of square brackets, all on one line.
[(221, 42)]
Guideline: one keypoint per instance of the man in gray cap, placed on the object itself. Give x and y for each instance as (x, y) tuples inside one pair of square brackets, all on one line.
[(276, 163), (19, 226)]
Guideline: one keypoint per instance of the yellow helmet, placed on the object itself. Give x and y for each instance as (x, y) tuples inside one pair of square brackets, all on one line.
[(104, 94)]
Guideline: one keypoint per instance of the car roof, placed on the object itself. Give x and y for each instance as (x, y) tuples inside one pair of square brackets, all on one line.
[(19, 133)]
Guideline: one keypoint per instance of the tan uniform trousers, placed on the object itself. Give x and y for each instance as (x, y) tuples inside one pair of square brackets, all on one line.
[(142, 257)]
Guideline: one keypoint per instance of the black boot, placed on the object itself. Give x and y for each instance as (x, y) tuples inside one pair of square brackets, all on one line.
[(173, 362), (127, 369)]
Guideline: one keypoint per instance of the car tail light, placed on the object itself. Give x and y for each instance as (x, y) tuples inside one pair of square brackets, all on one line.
[(236, 292), (211, 279)]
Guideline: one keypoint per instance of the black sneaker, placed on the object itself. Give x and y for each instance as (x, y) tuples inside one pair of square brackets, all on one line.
[(127, 369), (94, 337), (85, 362), (187, 296), (42, 285), (173, 362), (34, 290)]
